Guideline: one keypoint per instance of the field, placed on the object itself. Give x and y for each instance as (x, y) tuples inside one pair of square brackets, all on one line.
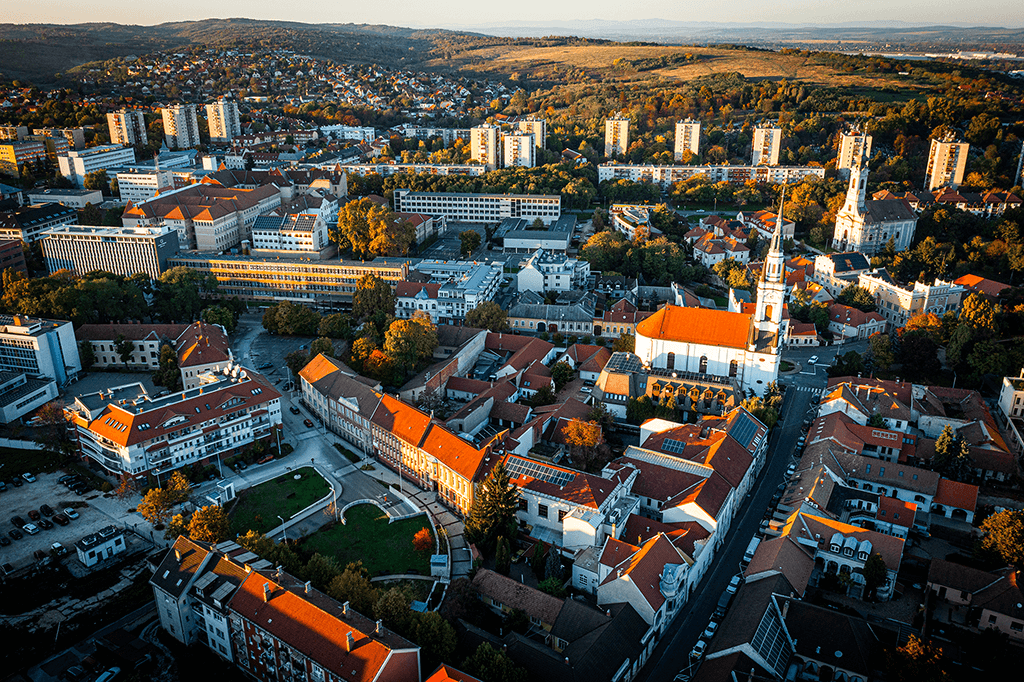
[(258, 507), (383, 548)]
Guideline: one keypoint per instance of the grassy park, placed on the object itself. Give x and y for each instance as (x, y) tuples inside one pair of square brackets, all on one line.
[(258, 507), (367, 536)]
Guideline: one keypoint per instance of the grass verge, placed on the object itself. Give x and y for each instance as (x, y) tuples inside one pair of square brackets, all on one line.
[(350, 456), (258, 507)]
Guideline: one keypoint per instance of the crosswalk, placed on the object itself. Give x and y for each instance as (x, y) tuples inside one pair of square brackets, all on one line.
[(805, 389)]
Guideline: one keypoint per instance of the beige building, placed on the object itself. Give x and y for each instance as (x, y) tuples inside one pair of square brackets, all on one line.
[(127, 127), (616, 136), (539, 128), (854, 152), (767, 145), (519, 150), (687, 138), (485, 145), (181, 128), (946, 163), (897, 303), (222, 117)]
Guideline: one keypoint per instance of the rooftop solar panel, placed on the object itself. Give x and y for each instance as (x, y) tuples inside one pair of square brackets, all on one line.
[(517, 466), (673, 446), (744, 429)]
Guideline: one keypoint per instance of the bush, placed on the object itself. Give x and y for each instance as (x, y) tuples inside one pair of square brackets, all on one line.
[(286, 449), (352, 457), (544, 336), (106, 487), (586, 339)]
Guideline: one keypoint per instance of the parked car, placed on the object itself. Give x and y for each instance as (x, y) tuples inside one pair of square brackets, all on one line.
[(308, 422), (17, 482), (698, 649), (4, 541), (70, 482), (109, 675), (70, 513), (241, 466), (75, 673), (709, 631), (58, 549), (45, 510), (30, 528), (813, 360), (39, 555), (16, 534), (17, 521), (34, 515), (29, 477), (294, 410), (3, 486), (45, 524), (734, 584), (60, 519), (266, 459), (65, 478), (266, 365)]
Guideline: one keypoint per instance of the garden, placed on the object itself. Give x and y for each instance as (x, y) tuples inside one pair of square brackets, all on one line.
[(259, 507)]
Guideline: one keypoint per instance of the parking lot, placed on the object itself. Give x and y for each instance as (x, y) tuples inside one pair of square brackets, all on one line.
[(30, 496)]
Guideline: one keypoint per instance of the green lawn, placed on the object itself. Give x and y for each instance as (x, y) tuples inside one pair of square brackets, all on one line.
[(785, 366), (258, 507), (383, 548)]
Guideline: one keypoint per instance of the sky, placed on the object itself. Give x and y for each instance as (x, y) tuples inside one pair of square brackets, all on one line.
[(466, 13)]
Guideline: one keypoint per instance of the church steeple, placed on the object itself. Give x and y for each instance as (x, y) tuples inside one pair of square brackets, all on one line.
[(771, 289), (774, 262)]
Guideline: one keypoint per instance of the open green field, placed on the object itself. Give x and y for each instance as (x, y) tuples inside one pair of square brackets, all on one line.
[(367, 536), (258, 507)]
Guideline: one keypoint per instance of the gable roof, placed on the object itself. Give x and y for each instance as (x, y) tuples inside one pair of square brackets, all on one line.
[(698, 325), (179, 566), (644, 568), (202, 344), (956, 494), (782, 555), (513, 594), (135, 332)]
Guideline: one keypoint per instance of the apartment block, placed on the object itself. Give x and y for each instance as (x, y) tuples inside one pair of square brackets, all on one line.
[(616, 136), (480, 208), (181, 128), (28, 223), (120, 250), (545, 271), (898, 303), (538, 127), (947, 160), (75, 137), (736, 175), (455, 288), (343, 132), (12, 256), (222, 117), (15, 155), (386, 169), (139, 184), (766, 146), (485, 145), (75, 198), (854, 152), (127, 431), (13, 133), (687, 138), (76, 165), (518, 149), (54, 141), (127, 127), (39, 348), (297, 234)]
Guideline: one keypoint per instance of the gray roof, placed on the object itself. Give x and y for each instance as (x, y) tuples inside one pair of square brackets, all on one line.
[(340, 385), (553, 313), (848, 262), (887, 210)]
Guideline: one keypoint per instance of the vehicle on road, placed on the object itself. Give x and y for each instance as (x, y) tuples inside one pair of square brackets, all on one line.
[(813, 360), (70, 513), (709, 631), (308, 422), (294, 410), (698, 649), (29, 477), (266, 365), (734, 584), (751, 548), (34, 515)]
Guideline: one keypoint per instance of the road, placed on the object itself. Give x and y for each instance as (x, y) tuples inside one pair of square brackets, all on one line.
[(672, 654)]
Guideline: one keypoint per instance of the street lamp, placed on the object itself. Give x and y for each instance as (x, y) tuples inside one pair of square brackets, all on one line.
[(285, 530)]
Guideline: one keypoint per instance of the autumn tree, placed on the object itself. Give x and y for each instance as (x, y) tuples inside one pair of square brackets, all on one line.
[(256, 542), (562, 373), (168, 376), (372, 294), (422, 541), (409, 341), (470, 242), (1004, 533), (436, 637), (370, 230), (218, 314), (155, 506), (882, 351), (492, 665), (353, 585), (488, 315), (857, 297), (626, 343), (321, 346), (392, 607), (583, 439), (209, 524), (917, 662)]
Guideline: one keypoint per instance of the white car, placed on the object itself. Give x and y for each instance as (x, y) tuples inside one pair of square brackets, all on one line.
[(734, 584), (709, 631), (29, 477), (30, 528), (70, 513), (813, 360), (698, 649)]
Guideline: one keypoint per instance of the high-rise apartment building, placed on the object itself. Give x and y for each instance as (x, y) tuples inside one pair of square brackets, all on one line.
[(616, 136), (181, 128), (687, 138), (947, 160), (539, 128), (484, 141), (222, 117), (127, 128), (518, 149), (854, 151), (766, 147)]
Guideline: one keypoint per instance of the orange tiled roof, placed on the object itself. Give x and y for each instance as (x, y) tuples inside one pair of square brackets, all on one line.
[(956, 494), (698, 325)]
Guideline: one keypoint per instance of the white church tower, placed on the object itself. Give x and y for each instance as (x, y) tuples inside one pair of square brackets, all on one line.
[(771, 289)]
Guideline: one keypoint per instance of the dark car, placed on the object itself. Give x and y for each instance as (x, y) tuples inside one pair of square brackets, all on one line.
[(294, 409), (45, 510), (3, 486), (308, 422), (17, 521), (266, 365), (16, 534), (61, 520), (45, 524), (18, 482), (65, 478), (81, 488), (4, 541), (240, 466), (34, 515)]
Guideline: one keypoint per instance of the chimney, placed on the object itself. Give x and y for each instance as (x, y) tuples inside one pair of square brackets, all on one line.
[(266, 592), (344, 608), (380, 627), (308, 587), (350, 642), (785, 609)]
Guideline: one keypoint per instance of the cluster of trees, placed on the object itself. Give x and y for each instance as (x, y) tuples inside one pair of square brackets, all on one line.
[(488, 315), (370, 230), (657, 261), (953, 456), (292, 319), (734, 275)]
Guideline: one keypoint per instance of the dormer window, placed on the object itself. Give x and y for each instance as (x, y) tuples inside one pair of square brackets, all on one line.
[(847, 551), (834, 548), (862, 556)]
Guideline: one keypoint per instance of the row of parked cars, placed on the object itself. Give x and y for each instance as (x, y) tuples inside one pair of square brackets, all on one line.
[(39, 519)]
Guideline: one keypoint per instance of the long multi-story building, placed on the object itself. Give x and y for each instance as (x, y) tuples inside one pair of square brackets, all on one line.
[(14, 133), (181, 127), (485, 145), (28, 223), (55, 142), (324, 284), (343, 132), (687, 138), (898, 303), (386, 169), (139, 184), (120, 250), (455, 288), (127, 127), (616, 136), (128, 432), (14, 155), (447, 135), (854, 152), (75, 137), (737, 175), (75, 198), (222, 117), (480, 208), (39, 348), (537, 126), (947, 160), (76, 165), (518, 149)]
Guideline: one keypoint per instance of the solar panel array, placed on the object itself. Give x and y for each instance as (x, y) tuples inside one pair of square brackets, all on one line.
[(744, 429), (674, 446), (517, 466)]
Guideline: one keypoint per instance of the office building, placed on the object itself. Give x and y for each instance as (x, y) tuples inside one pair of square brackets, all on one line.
[(323, 284), (127, 127), (118, 250), (947, 160), (39, 348), (148, 341), (767, 145), (539, 128), (854, 152), (616, 136), (222, 117), (20, 394), (687, 138), (455, 288), (136, 185), (128, 432), (295, 234), (14, 156), (75, 198), (485, 145), (181, 128), (518, 149), (76, 165), (480, 208), (28, 223), (736, 175)]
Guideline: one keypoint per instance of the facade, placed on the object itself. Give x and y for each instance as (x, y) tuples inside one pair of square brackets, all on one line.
[(485, 145), (687, 138), (102, 545), (304, 234), (222, 117), (1011, 410), (138, 184), (39, 348), (736, 175), (76, 165), (181, 128), (947, 161), (127, 127), (455, 288), (127, 432), (854, 152), (75, 137), (616, 136), (897, 303), (119, 250), (386, 169), (20, 394), (148, 339), (202, 349), (518, 149), (868, 226), (538, 127), (766, 146), (12, 256), (340, 400), (326, 285), (516, 237), (29, 223), (75, 198), (852, 323), (15, 155), (544, 271), (480, 208), (836, 271)]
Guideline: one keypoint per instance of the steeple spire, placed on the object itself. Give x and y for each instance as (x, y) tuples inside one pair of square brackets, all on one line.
[(777, 235)]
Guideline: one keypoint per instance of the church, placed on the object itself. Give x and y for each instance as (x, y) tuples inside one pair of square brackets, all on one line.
[(743, 347)]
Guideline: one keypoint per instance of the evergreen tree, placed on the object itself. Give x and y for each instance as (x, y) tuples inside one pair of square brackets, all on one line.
[(493, 512), (503, 556)]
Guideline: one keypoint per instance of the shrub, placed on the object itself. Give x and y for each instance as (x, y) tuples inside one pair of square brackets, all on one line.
[(422, 542), (106, 487)]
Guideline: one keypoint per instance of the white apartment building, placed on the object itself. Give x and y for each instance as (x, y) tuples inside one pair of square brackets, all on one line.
[(74, 198), (1011, 410), (127, 127), (485, 145), (120, 250), (20, 394), (946, 163), (447, 135), (342, 132), (767, 145), (39, 348), (538, 127), (181, 128), (518, 149), (854, 152), (897, 303), (302, 233), (386, 169), (127, 431), (626, 218), (546, 271), (480, 208), (137, 185), (76, 164), (737, 175), (836, 271), (455, 288), (616, 136), (687, 138), (222, 117)]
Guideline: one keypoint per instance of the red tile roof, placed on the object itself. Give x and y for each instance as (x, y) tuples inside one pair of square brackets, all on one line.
[(202, 344), (684, 535), (446, 673), (956, 494), (699, 326), (896, 511), (645, 566), (135, 332), (401, 420)]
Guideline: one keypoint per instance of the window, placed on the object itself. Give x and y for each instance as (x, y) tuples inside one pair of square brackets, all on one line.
[(524, 505), (561, 515), (703, 364), (1017, 626), (542, 511)]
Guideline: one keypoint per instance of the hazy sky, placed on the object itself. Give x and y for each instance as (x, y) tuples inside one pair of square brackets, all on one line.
[(442, 13)]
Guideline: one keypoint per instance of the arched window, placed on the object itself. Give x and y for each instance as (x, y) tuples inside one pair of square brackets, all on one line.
[(703, 364), (733, 368)]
